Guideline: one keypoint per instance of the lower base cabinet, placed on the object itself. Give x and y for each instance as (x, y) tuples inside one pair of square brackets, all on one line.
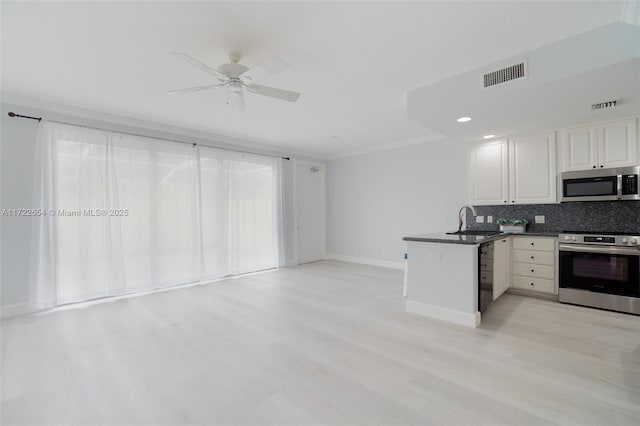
[(501, 266), (534, 264)]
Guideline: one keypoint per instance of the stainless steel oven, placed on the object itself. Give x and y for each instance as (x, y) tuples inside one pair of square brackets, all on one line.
[(601, 271), (601, 185)]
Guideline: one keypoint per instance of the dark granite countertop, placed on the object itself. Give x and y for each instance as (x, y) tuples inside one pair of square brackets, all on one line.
[(442, 237)]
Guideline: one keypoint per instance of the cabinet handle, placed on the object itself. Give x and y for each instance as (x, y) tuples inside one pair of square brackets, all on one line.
[(532, 270), (513, 201), (532, 257), (532, 244), (531, 283), (601, 166), (594, 167), (506, 200)]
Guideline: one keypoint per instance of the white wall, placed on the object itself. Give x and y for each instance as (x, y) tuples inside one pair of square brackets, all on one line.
[(17, 162), (17, 156), (375, 199)]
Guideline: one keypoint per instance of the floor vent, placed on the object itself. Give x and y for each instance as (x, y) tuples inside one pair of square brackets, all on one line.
[(505, 74)]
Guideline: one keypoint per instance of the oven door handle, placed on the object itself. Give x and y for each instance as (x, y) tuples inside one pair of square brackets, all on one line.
[(599, 249)]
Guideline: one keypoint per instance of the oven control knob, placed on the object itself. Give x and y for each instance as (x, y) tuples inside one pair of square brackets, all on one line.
[(573, 238), (634, 241), (624, 240), (566, 238)]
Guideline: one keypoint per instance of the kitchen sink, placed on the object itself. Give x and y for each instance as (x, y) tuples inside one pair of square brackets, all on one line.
[(474, 232)]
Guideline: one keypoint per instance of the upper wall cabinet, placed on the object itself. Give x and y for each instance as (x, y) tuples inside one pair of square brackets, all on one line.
[(489, 173), (612, 144), (520, 171), (532, 168)]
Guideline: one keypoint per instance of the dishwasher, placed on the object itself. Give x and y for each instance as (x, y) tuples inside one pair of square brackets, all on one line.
[(485, 276)]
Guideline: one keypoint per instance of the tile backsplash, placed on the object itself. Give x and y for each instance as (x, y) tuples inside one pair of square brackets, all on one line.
[(611, 216)]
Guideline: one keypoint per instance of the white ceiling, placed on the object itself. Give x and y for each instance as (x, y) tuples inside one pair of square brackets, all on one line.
[(353, 62), (564, 79)]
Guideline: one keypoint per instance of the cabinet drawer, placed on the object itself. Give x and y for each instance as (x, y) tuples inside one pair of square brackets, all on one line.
[(535, 284), (535, 257), (534, 243), (530, 270)]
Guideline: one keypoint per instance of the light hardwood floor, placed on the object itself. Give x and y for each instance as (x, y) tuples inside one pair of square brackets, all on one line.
[(323, 343)]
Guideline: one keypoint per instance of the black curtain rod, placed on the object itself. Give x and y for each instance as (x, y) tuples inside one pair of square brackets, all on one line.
[(14, 115)]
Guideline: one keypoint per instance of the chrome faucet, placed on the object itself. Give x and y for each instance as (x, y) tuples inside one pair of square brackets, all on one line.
[(473, 212)]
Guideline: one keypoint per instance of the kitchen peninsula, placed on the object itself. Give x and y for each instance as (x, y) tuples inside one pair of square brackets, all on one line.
[(442, 276), (455, 277)]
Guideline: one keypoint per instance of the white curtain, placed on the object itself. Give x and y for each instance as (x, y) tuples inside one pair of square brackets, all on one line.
[(241, 217), (128, 213)]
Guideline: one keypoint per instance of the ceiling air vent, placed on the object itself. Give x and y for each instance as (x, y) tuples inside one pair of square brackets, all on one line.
[(505, 74), (602, 105)]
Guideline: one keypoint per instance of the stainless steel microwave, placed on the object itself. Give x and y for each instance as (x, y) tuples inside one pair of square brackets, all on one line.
[(601, 184)]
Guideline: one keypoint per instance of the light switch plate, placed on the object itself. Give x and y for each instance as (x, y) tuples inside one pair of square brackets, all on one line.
[(479, 219), (540, 219), (489, 219)]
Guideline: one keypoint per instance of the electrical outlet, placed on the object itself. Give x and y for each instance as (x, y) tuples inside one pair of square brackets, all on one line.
[(479, 219), (489, 219), (540, 219)]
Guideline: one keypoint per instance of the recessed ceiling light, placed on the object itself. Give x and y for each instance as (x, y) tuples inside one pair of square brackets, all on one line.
[(488, 136), (334, 136), (463, 119)]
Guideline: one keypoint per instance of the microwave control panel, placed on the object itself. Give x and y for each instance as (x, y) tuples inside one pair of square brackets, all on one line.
[(630, 185)]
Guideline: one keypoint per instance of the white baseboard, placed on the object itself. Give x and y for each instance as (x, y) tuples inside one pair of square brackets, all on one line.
[(366, 261), (13, 310), (462, 318)]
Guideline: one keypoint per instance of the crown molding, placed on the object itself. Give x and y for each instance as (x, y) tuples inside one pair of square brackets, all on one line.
[(216, 139)]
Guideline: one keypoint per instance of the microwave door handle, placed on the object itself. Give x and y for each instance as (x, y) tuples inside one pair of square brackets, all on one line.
[(620, 187), (600, 249)]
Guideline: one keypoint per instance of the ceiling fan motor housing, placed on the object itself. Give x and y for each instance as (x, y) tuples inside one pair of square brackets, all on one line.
[(232, 70)]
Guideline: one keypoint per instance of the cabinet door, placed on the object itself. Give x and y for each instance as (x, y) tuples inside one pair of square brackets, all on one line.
[(488, 173), (617, 144), (532, 169), (501, 266), (580, 148)]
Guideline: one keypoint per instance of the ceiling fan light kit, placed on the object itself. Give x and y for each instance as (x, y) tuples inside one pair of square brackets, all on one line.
[(235, 76)]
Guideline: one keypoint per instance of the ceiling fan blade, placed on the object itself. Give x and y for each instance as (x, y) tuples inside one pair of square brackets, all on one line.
[(195, 89), (272, 92), (270, 66), (204, 67)]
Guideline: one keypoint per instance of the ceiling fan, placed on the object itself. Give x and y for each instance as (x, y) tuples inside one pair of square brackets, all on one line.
[(236, 77)]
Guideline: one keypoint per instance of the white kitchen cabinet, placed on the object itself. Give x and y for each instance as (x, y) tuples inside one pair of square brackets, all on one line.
[(534, 263), (489, 173), (501, 266), (532, 169), (610, 144), (518, 171), (580, 148), (617, 144)]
